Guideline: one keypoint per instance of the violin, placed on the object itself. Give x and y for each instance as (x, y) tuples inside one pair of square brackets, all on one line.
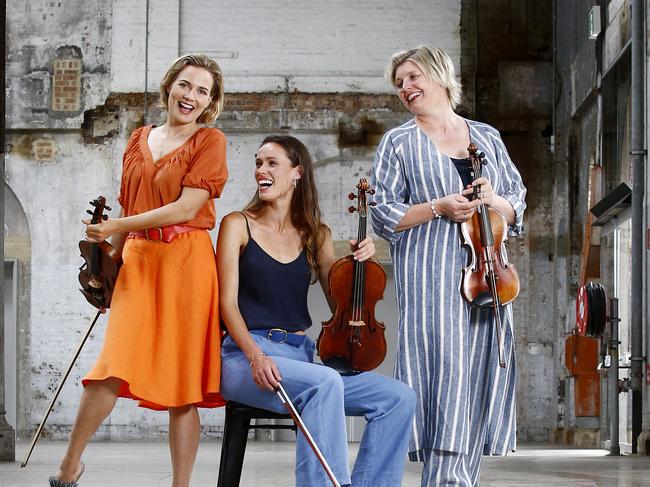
[(98, 273), (489, 281), (353, 340)]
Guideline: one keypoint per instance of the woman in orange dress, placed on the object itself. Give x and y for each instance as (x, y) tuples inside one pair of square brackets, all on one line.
[(162, 343)]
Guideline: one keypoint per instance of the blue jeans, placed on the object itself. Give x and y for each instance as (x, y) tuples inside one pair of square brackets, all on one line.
[(324, 397)]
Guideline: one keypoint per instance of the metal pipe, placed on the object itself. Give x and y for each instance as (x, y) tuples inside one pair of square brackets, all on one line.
[(638, 154), (146, 61), (612, 378)]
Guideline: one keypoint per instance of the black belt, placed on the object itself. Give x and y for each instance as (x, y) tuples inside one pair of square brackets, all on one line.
[(278, 335)]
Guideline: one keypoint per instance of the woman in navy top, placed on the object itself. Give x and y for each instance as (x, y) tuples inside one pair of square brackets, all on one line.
[(281, 246)]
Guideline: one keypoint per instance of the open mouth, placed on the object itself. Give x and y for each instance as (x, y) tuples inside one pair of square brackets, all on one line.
[(185, 107), (264, 184), (413, 96)]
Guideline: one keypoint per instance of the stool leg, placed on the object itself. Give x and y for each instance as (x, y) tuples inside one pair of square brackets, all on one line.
[(233, 448)]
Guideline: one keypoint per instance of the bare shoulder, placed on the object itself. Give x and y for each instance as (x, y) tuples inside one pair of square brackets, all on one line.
[(326, 246), (325, 234), (233, 227)]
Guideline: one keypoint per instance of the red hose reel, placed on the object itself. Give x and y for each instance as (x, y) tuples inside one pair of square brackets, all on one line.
[(591, 310)]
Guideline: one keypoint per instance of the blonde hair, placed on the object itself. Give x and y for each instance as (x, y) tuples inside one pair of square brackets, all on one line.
[(212, 111), (436, 66)]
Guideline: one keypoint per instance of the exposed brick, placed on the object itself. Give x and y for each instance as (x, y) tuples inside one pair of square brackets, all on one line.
[(43, 149), (66, 85)]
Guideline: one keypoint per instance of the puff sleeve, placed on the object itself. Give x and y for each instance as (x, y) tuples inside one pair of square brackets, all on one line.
[(208, 168)]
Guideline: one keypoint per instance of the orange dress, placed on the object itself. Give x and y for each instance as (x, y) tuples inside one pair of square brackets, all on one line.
[(163, 337)]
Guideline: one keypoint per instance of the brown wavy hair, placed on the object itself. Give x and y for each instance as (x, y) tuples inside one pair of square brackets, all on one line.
[(212, 111), (305, 212)]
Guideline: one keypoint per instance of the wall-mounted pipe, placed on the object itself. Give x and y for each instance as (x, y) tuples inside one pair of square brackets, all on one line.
[(638, 156), (146, 61), (612, 376)]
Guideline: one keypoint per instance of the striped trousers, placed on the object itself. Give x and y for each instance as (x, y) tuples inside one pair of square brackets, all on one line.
[(448, 468)]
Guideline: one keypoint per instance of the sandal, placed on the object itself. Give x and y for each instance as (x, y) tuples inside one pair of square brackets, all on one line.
[(54, 482)]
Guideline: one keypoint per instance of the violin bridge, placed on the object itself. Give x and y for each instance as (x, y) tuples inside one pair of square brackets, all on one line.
[(356, 323)]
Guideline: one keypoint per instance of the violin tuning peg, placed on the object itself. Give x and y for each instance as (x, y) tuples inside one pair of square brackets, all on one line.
[(108, 208), (104, 217), (352, 209), (92, 203), (89, 212), (351, 196), (371, 190), (373, 203)]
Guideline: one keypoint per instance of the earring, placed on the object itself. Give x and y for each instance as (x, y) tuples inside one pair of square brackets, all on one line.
[(295, 183)]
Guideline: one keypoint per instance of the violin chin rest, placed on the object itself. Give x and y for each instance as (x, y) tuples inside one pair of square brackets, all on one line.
[(483, 300), (340, 364)]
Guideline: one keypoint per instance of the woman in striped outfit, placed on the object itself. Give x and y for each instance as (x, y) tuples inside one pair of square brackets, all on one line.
[(446, 349)]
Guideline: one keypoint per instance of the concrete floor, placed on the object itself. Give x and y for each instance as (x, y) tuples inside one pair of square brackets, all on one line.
[(140, 464)]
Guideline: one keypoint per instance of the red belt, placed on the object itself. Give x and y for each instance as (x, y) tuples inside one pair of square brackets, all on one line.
[(163, 234)]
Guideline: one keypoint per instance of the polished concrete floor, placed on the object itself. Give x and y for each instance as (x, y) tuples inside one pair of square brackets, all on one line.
[(271, 465)]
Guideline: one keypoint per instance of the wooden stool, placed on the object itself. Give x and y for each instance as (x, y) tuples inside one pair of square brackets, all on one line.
[(235, 435)]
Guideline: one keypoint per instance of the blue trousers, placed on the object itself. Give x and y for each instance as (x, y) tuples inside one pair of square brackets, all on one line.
[(324, 397)]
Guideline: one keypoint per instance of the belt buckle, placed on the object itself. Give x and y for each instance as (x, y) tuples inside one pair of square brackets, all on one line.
[(160, 234), (284, 339)]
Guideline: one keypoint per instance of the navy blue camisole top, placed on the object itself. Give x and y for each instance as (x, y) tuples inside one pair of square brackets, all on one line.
[(465, 170), (273, 294)]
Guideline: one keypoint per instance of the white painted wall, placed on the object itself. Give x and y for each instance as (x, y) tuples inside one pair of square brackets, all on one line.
[(276, 45)]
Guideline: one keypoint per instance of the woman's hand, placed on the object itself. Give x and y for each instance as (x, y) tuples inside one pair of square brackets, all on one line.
[(265, 373), (99, 232), (456, 207), (364, 251), (485, 191)]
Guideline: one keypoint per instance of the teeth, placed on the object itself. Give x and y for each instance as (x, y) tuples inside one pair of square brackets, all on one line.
[(186, 106), (413, 95), (265, 183)]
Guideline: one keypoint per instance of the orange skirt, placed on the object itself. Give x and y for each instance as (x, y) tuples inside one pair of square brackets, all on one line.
[(163, 339)]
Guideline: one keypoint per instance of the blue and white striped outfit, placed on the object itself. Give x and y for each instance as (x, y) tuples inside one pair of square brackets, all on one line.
[(446, 349)]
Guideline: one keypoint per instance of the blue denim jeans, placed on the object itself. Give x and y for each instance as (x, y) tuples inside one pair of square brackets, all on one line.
[(324, 397)]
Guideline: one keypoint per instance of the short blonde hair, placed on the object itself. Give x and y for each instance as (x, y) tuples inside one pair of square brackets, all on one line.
[(436, 66), (212, 111)]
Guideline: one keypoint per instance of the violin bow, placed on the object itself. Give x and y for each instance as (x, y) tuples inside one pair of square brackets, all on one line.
[(293, 412), (58, 390)]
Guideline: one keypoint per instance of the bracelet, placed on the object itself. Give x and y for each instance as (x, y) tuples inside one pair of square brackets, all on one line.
[(251, 364), (436, 215)]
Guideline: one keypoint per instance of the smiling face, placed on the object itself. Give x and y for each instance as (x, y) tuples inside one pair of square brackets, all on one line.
[(274, 172), (189, 95), (418, 93)]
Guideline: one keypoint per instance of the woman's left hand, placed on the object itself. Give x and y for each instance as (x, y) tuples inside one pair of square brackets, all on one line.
[(364, 251), (485, 192)]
